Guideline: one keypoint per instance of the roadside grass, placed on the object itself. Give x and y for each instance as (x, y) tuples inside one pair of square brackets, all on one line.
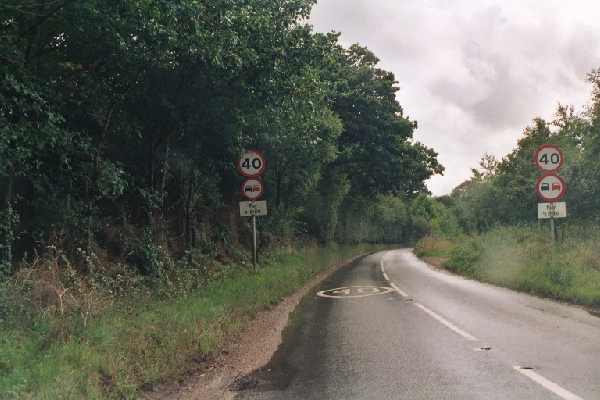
[(145, 340), (526, 259), (434, 247)]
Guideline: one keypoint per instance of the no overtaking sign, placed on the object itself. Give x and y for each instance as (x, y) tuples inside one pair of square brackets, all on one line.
[(551, 188)]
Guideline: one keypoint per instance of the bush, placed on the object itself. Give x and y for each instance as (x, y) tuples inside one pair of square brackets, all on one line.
[(526, 259), (431, 246), (464, 257)]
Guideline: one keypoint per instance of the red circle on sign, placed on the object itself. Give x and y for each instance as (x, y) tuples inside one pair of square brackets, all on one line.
[(252, 189), (258, 155), (544, 147), (540, 191)]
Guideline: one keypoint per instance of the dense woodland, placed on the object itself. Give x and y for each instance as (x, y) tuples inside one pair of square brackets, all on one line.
[(120, 124), (502, 192)]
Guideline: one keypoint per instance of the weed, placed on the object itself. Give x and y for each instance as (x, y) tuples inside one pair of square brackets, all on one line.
[(526, 259)]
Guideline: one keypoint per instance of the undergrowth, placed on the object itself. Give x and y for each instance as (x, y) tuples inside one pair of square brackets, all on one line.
[(526, 259), (65, 337)]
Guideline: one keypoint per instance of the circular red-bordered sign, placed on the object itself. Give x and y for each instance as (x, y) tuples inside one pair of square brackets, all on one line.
[(252, 189), (549, 158), (551, 188), (252, 164)]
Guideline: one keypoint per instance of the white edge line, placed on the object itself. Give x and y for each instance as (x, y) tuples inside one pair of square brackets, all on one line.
[(447, 323), (439, 318), (381, 263), (547, 384), (397, 289), (387, 278)]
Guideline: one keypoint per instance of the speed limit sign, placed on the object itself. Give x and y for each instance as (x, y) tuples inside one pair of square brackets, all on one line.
[(252, 164), (549, 158)]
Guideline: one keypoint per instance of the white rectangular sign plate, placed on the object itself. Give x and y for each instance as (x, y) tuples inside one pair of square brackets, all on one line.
[(552, 210), (253, 208)]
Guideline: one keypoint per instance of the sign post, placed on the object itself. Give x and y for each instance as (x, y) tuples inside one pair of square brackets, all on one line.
[(252, 165), (550, 187), (254, 244)]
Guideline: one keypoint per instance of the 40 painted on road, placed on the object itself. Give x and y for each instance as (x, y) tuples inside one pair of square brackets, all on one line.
[(353, 292)]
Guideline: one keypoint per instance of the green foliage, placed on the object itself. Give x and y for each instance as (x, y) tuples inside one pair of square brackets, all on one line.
[(464, 257), (444, 222), (9, 220), (133, 113), (120, 123), (435, 246), (153, 260), (393, 219), (526, 259)]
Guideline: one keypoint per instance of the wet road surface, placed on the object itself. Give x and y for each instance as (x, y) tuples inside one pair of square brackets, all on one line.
[(390, 327)]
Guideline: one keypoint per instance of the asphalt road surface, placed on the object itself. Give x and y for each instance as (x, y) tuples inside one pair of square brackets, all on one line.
[(390, 327)]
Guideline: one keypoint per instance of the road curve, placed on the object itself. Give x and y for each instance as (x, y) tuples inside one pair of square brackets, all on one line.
[(391, 327)]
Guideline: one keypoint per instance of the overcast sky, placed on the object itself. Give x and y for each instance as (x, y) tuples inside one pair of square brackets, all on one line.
[(474, 73)]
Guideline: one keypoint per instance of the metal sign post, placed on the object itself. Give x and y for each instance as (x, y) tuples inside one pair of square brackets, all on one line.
[(254, 247)]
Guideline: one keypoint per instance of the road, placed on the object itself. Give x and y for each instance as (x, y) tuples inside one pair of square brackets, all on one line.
[(394, 328)]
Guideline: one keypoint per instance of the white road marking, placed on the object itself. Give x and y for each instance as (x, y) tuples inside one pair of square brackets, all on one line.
[(370, 290), (345, 292), (381, 264), (397, 289), (547, 384), (551, 386), (436, 316), (447, 323), (387, 278)]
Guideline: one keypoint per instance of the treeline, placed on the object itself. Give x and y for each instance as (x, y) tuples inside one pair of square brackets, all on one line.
[(120, 124), (502, 192)]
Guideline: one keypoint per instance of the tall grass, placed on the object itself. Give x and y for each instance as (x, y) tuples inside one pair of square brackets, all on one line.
[(526, 259), (145, 340)]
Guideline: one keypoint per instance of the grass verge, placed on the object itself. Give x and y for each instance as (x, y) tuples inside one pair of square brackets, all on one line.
[(527, 260), (146, 340)]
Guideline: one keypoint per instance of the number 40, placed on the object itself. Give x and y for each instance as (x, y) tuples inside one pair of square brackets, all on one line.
[(554, 159), (255, 163)]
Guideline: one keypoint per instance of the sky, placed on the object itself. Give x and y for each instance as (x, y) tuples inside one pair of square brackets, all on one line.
[(474, 73)]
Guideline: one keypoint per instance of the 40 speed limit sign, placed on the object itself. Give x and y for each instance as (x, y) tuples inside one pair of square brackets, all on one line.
[(252, 164), (549, 158)]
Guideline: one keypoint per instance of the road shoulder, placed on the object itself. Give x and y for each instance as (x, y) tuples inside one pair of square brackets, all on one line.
[(244, 353)]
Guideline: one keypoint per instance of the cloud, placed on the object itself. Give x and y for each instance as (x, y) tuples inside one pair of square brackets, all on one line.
[(474, 74)]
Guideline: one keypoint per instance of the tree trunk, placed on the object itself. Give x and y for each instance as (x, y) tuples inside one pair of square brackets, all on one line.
[(163, 193)]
